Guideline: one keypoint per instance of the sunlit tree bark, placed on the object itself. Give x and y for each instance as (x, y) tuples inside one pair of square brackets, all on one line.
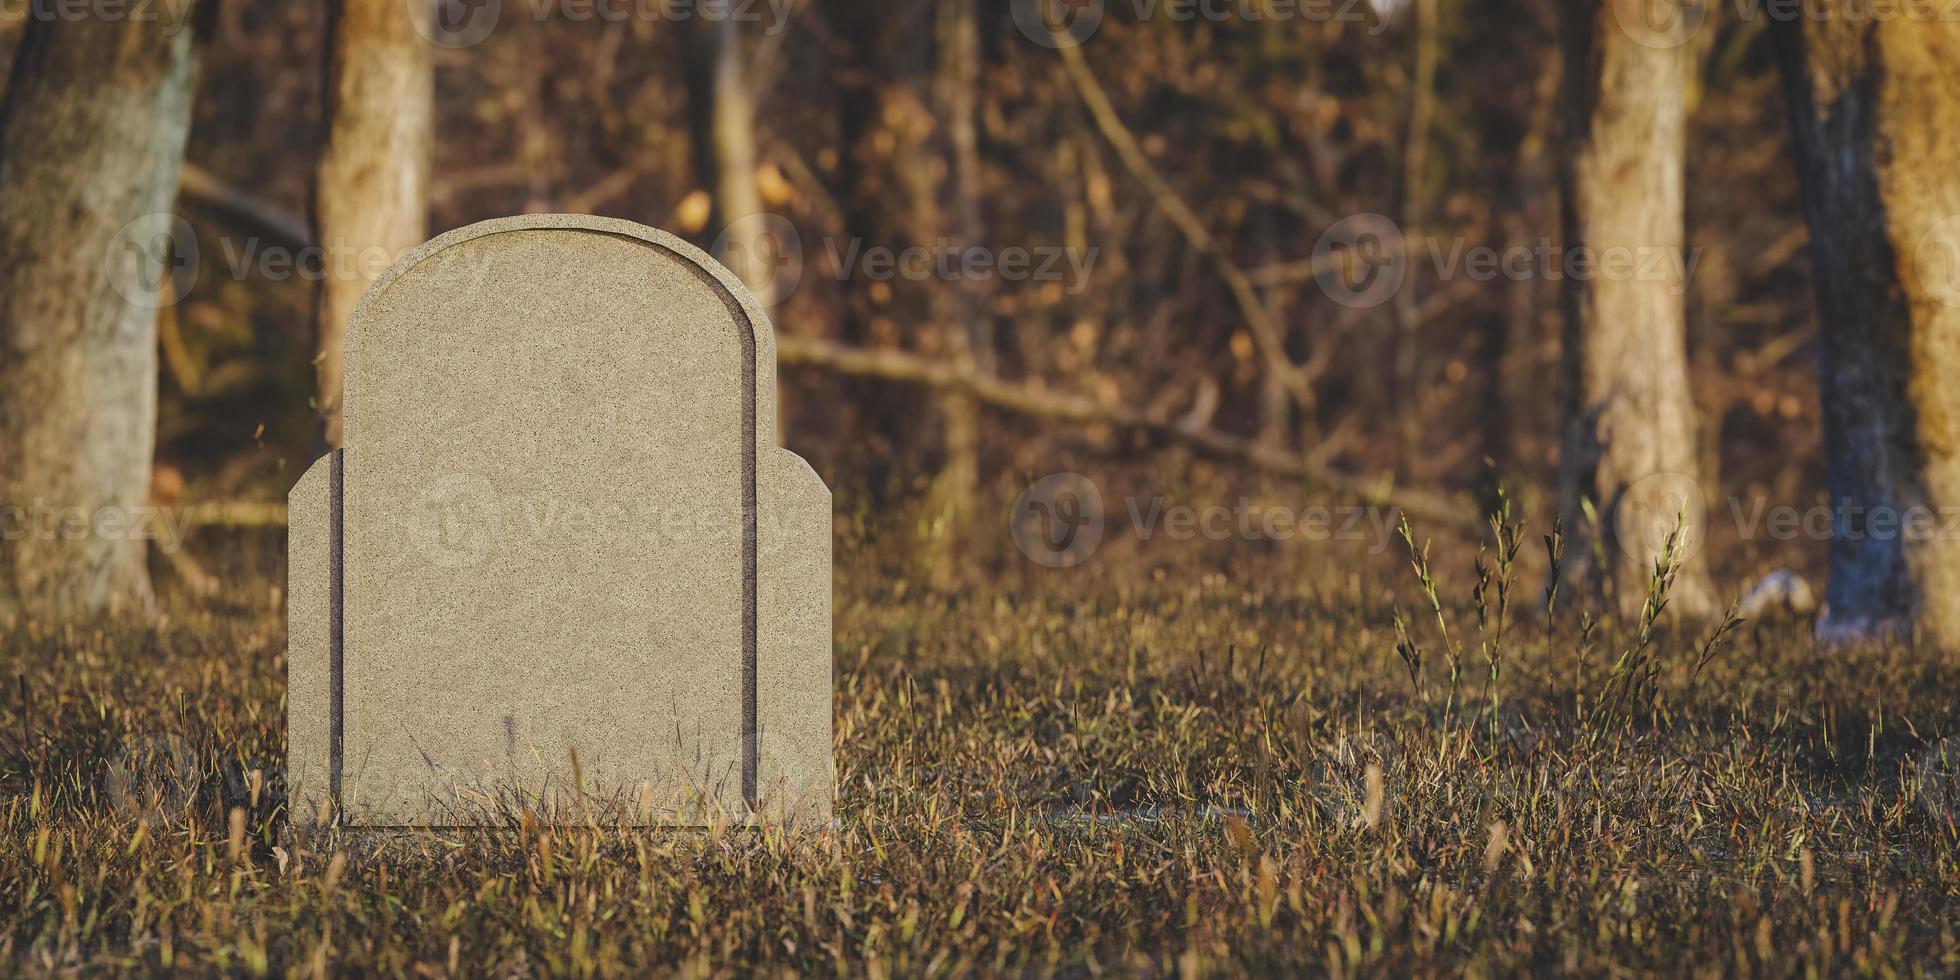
[(370, 201), (960, 307), (722, 109), (91, 141), (1630, 421)]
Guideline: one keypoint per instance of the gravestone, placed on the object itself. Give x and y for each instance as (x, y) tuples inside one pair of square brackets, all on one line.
[(561, 565)]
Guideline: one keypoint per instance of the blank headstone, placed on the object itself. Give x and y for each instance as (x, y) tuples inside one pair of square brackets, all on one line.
[(561, 565)]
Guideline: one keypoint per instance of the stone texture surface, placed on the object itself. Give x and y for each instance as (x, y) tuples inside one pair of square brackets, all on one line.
[(568, 531), (309, 509)]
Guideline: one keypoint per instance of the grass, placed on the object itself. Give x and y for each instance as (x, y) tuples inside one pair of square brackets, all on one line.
[(1153, 766)]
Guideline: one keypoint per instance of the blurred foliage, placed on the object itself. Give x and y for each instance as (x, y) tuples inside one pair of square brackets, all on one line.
[(1271, 129)]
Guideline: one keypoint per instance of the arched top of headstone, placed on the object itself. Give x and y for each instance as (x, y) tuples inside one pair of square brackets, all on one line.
[(474, 262)]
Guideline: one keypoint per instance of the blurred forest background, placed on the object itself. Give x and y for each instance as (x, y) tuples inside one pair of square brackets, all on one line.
[(1187, 164)]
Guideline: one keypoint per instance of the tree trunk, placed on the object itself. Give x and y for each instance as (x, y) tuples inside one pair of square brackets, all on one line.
[(1630, 420), (91, 140), (960, 307), (957, 97), (722, 110), (370, 201), (1875, 104), (1415, 166)]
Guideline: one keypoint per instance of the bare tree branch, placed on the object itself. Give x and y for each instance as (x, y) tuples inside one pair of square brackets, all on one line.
[(251, 214), (892, 365), (1267, 332)]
